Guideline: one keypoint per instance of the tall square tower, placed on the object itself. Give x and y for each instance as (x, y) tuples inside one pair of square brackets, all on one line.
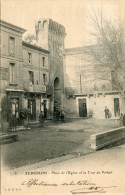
[(50, 35)]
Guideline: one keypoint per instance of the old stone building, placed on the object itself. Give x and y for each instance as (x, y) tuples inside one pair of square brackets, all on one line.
[(35, 78), (50, 35), (32, 74), (87, 93), (11, 65), (46, 76)]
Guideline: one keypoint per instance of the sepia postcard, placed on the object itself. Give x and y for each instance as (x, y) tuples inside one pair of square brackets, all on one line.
[(62, 92)]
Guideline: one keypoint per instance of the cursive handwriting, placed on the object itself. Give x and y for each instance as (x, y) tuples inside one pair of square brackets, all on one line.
[(93, 189), (36, 182), (87, 186)]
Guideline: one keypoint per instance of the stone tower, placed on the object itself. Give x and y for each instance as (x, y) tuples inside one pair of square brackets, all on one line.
[(50, 35)]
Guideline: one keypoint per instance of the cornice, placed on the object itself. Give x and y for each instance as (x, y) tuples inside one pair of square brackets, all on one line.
[(12, 26)]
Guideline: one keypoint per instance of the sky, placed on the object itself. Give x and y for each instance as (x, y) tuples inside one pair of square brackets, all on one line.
[(72, 14)]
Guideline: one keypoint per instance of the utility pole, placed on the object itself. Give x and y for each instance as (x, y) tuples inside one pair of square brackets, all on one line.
[(80, 83)]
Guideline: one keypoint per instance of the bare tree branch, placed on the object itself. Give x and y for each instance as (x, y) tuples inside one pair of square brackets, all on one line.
[(108, 52)]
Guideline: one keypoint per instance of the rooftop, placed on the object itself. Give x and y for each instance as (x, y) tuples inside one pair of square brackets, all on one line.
[(34, 46), (79, 50), (12, 26)]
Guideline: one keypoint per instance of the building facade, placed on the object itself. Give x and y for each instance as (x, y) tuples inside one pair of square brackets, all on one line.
[(86, 93), (32, 74), (11, 65), (35, 78)]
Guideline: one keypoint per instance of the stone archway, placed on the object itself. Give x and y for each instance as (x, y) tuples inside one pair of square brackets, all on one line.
[(57, 94)]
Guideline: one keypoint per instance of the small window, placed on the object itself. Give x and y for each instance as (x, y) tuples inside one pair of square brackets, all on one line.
[(31, 77), (29, 58), (12, 45), (43, 61), (12, 72), (44, 79)]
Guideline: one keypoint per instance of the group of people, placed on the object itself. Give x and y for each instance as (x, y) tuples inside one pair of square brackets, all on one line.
[(59, 114), (108, 115)]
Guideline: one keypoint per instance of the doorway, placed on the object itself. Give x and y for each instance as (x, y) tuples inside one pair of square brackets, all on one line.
[(82, 107), (45, 108), (32, 109), (116, 107), (14, 104)]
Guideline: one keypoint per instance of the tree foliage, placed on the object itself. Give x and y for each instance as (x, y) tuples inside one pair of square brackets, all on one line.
[(5, 108), (30, 38)]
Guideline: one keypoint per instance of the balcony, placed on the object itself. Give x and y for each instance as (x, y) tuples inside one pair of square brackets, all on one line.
[(34, 88)]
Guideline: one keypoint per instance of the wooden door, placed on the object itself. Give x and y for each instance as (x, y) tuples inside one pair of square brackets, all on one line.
[(32, 108), (82, 108)]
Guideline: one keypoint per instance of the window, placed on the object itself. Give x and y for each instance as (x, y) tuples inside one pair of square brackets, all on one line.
[(12, 45), (31, 77), (43, 61), (29, 58), (12, 72), (44, 79)]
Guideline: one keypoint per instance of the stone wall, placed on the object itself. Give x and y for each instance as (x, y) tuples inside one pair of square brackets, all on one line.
[(106, 138)]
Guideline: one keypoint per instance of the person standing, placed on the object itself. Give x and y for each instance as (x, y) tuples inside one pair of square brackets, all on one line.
[(106, 112), (62, 114), (41, 118), (121, 120), (45, 113), (124, 119)]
